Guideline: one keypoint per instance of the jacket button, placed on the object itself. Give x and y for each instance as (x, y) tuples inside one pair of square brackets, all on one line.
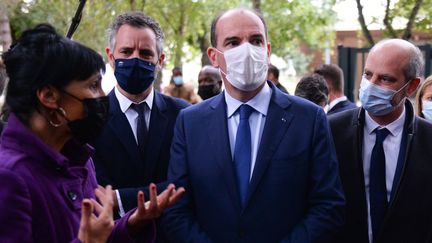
[(72, 195)]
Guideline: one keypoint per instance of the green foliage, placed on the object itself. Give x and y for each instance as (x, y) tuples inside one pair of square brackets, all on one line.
[(423, 20), (302, 21), (186, 23)]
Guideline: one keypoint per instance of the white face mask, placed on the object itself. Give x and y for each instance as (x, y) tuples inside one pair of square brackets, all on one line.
[(427, 110), (246, 66)]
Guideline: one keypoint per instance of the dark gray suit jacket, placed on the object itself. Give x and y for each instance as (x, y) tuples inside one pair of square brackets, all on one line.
[(409, 216)]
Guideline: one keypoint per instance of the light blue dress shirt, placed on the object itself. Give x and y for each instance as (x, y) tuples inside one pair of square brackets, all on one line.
[(391, 147), (260, 102)]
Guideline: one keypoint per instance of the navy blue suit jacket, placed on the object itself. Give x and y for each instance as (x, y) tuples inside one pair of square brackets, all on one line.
[(294, 195), (117, 158), (342, 106)]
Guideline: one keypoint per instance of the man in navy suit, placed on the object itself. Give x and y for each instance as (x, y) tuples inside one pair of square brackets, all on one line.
[(333, 75), (133, 149), (257, 165)]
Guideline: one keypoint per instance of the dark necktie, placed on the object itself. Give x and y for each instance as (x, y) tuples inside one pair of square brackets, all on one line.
[(377, 182), (242, 151), (141, 126)]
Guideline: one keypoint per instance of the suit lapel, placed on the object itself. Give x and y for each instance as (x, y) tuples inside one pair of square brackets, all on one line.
[(220, 144), (121, 128), (157, 131), (276, 124)]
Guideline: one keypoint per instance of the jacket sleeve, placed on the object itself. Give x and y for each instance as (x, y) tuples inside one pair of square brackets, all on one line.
[(129, 195), (179, 222), (121, 234), (326, 199), (15, 208), (103, 178)]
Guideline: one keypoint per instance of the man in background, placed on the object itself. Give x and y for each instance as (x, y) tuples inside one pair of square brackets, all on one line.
[(314, 88), (209, 82), (178, 88), (273, 75), (333, 75)]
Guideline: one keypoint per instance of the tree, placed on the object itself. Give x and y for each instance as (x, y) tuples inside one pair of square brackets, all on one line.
[(415, 13), (186, 23), (292, 24)]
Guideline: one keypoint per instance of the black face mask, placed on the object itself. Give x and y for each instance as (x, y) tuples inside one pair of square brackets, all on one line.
[(208, 91), (90, 127)]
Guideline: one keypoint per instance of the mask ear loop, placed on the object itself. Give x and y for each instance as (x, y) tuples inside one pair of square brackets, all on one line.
[(397, 92), (62, 112)]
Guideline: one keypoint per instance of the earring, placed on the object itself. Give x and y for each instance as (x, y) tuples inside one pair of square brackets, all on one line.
[(63, 112)]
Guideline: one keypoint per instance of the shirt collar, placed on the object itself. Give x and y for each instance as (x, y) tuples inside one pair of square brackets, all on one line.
[(125, 103), (260, 102), (395, 127), (336, 101)]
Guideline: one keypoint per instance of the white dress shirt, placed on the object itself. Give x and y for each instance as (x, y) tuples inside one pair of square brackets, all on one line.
[(391, 147), (132, 117), (257, 119), (336, 101)]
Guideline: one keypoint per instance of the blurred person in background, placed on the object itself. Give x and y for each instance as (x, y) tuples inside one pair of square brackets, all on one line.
[(333, 75), (178, 88), (423, 100), (209, 82), (273, 75), (314, 88)]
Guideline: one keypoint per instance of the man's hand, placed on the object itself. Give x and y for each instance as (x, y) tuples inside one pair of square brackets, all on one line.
[(95, 229), (152, 209)]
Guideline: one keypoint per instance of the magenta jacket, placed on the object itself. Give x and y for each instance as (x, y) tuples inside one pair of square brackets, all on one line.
[(41, 190)]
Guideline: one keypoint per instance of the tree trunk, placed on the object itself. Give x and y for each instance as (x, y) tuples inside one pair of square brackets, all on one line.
[(388, 21), (132, 4), (364, 27), (5, 33), (204, 45), (408, 30), (256, 4), (179, 32)]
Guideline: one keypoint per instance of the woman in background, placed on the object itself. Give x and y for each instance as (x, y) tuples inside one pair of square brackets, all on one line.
[(423, 100), (48, 186)]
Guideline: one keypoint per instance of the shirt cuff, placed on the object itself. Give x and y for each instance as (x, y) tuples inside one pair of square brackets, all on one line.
[(121, 211)]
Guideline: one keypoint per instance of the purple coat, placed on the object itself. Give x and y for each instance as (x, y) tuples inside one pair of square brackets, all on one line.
[(41, 190)]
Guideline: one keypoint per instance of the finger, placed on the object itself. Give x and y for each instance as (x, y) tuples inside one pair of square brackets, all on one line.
[(109, 194), (141, 203), (97, 207), (100, 195), (104, 194), (108, 202), (86, 212), (153, 197), (101, 188), (175, 196), (163, 198)]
